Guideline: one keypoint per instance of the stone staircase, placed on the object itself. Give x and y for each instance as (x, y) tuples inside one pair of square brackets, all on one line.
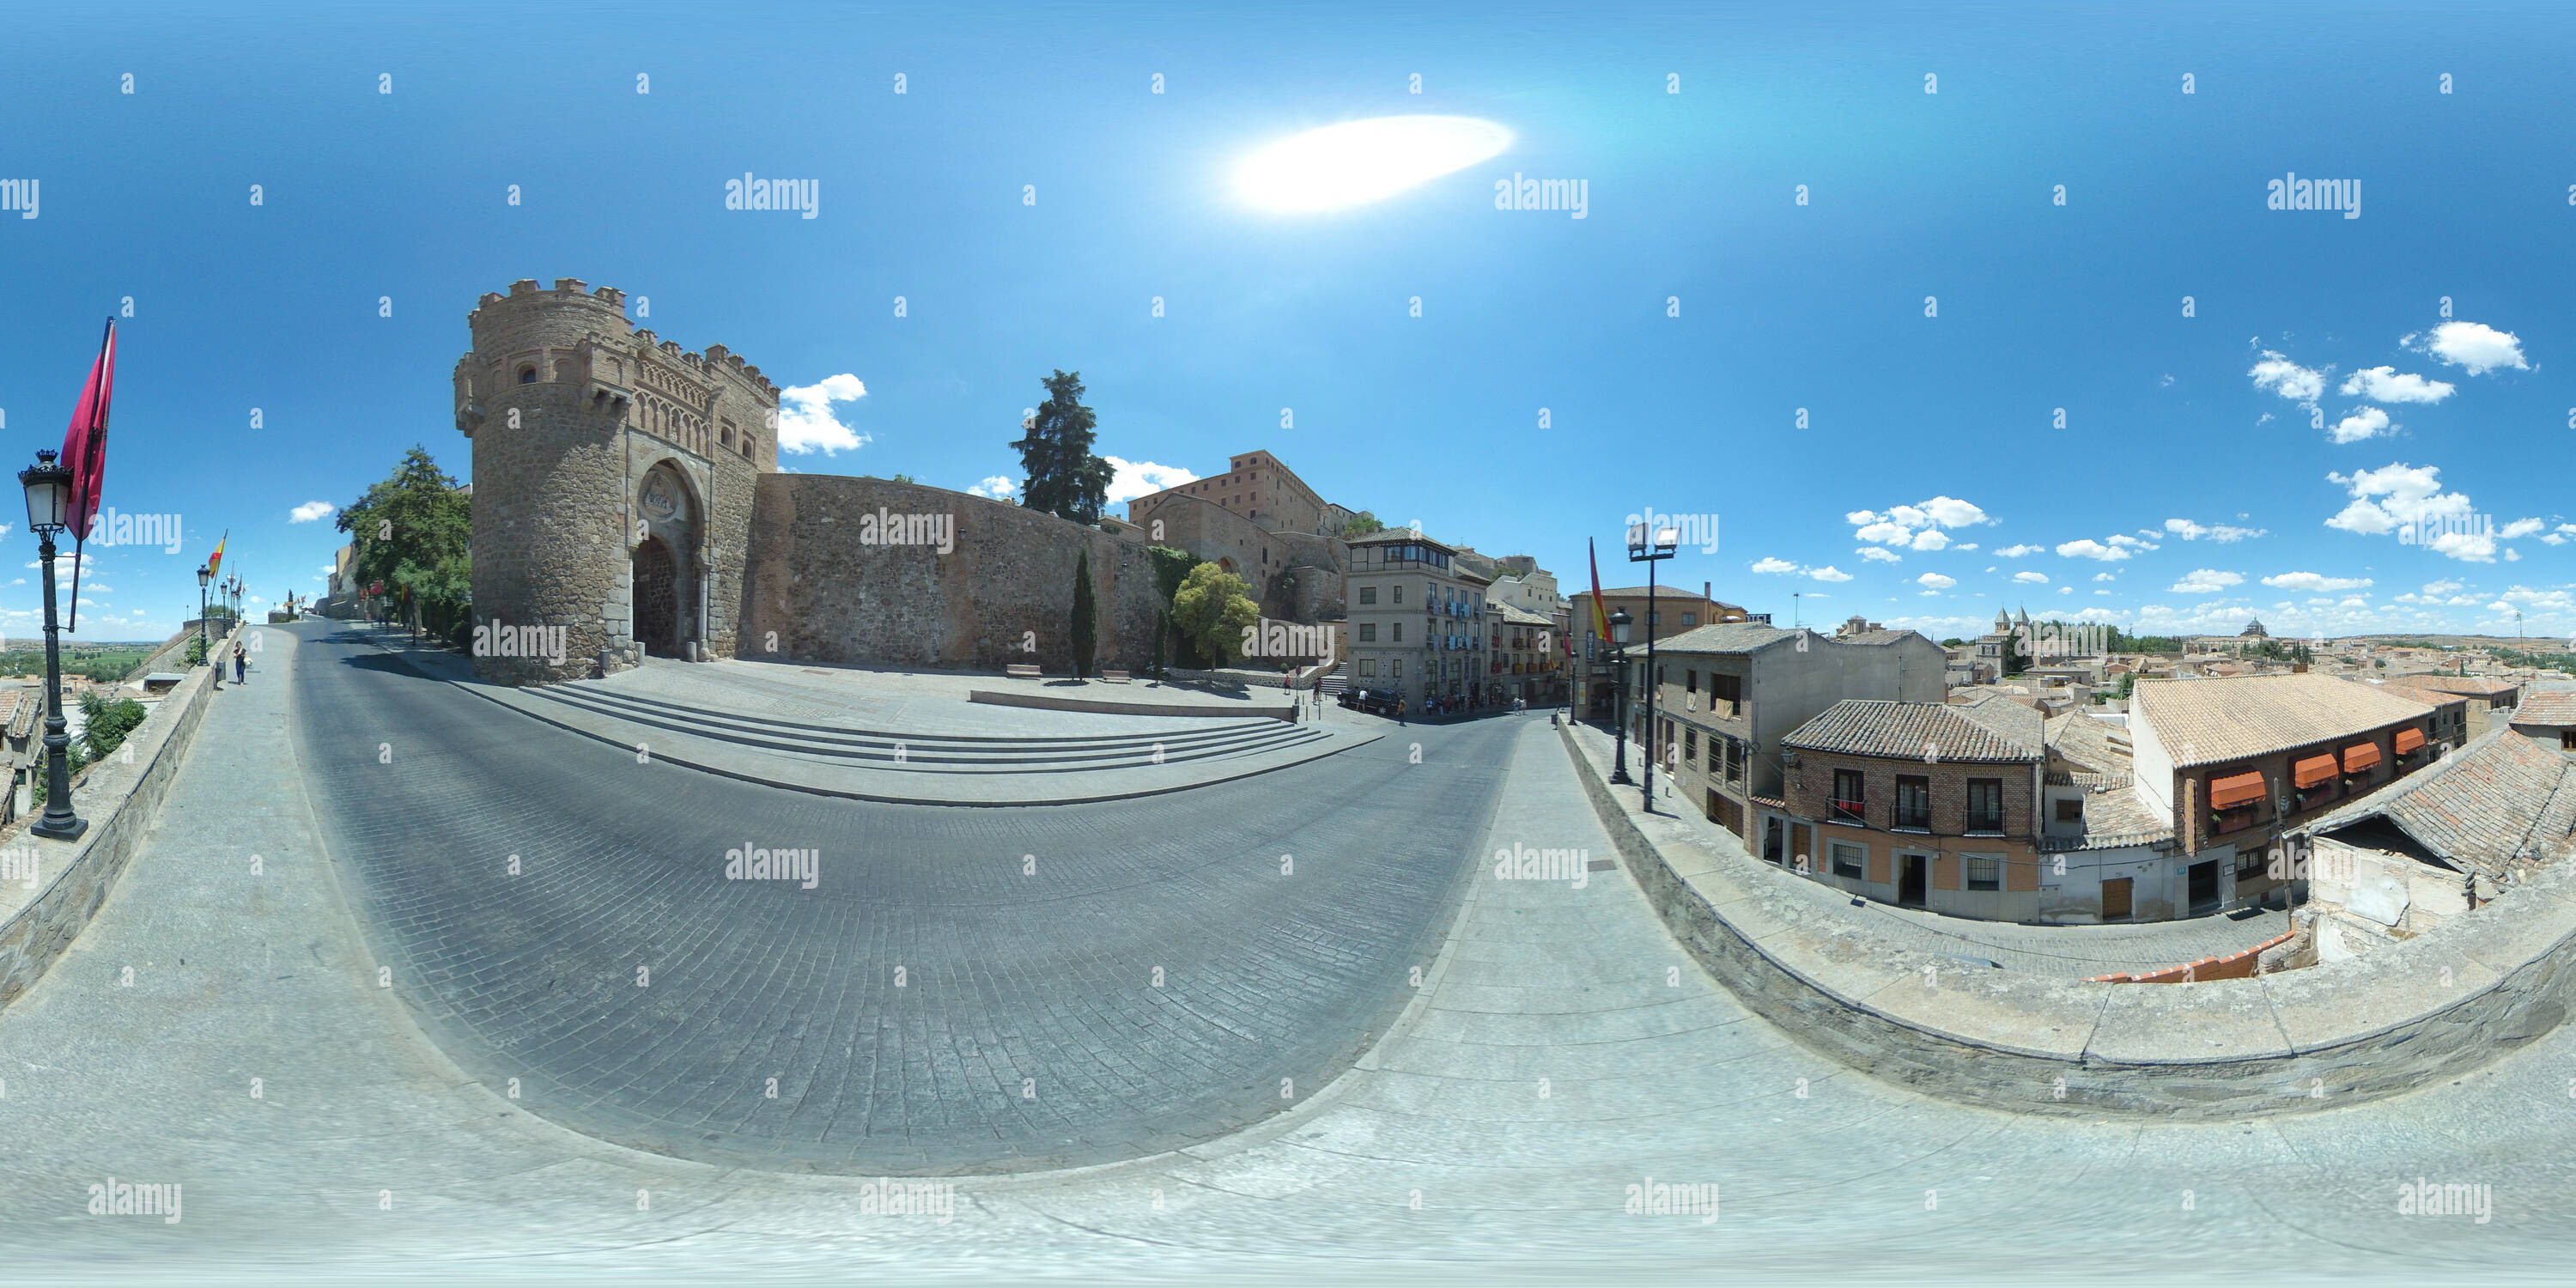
[(927, 753)]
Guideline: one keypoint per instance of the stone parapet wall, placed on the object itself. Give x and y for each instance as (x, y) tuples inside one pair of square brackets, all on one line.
[(819, 589), (121, 801), (2428, 1008)]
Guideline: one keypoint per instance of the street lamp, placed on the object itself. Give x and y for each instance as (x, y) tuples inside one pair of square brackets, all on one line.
[(203, 576), (49, 496), (1619, 620), (1650, 546)]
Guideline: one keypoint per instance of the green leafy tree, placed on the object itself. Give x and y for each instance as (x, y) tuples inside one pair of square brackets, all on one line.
[(1086, 616), (1361, 525), (905, 478), (415, 531), (1171, 568), (104, 724), (1064, 478), (1210, 611)]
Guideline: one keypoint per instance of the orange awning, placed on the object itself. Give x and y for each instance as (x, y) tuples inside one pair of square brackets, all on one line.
[(2313, 770), (2360, 756), (2408, 740), (2225, 793)]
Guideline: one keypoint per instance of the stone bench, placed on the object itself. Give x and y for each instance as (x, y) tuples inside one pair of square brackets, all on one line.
[(1021, 671), (1114, 676)]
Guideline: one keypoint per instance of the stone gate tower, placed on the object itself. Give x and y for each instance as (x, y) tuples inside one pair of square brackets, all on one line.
[(613, 481)]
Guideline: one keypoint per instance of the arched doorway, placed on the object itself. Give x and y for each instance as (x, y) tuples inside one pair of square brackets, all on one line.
[(657, 599)]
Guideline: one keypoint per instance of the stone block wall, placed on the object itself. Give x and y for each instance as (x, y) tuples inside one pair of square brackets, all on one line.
[(2432, 1007), (121, 801), (818, 589)]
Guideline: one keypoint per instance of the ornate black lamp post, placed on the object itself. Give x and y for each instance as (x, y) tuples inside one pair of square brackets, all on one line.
[(203, 576), (49, 497), (1619, 620), (1648, 546)]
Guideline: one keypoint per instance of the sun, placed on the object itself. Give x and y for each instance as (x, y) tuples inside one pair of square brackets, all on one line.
[(1357, 162)]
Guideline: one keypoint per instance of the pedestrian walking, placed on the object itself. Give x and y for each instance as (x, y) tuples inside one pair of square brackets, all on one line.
[(241, 662), (1399, 711)]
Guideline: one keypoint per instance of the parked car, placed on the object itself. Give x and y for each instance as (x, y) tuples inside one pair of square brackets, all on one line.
[(1376, 702)]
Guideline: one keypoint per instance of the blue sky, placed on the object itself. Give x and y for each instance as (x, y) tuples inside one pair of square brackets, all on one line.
[(2180, 432)]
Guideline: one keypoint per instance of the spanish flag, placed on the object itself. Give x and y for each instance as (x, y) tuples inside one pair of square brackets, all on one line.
[(1600, 614), (215, 562)]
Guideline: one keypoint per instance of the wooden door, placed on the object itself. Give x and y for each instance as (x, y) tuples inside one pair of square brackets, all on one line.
[(2115, 899)]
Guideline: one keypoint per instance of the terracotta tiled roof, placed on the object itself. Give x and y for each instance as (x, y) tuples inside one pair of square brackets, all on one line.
[(1725, 637), (2476, 686), (2500, 798), (1878, 637), (2089, 744), (2550, 707), (2414, 686), (2203, 722), (1990, 731)]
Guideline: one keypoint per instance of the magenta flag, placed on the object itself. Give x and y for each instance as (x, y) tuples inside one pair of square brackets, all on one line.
[(85, 444)]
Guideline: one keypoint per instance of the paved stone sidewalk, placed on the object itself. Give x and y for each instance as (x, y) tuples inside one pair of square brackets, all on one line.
[(2066, 952), (368, 1151)]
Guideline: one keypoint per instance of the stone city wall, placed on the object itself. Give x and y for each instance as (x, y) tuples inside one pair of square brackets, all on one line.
[(819, 590), (2431, 1007), (120, 799)]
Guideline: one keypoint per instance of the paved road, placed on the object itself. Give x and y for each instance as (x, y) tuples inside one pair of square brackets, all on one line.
[(959, 987), (368, 1151)]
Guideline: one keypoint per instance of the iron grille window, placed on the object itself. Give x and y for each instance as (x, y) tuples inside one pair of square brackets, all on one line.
[(1985, 804), (1913, 802), (1847, 796)]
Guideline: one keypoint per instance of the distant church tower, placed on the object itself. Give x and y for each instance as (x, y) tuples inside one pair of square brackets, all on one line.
[(613, 480)]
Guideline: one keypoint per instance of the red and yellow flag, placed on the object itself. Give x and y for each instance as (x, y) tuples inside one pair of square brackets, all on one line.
[(215, 561), (1600, 614)]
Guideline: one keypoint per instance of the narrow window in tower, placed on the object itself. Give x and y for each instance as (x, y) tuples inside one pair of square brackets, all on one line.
[(527, 375)]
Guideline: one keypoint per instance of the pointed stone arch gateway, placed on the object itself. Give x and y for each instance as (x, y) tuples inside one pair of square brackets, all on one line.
[(663, 594)]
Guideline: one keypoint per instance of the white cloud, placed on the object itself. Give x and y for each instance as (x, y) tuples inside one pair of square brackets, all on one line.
[(2361, 423), (2388, 385), (2206, 581), (2125, 541), (1951, 512), (1131, 479), (1936, 581), (2035, 578), (1879, 554), (2088, 548), (2519, 528), (2414, 494), (2066, 590), (2106, 576), (1962, 546), (311, 510), (1918, 526), (1829, 573), (2016, 552), (2314, 582), (2472, 345), (2277, 374), (999, 487), (2218, 532), (2438, 588), (1775, 565), (2468, 547), (807, 423)]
